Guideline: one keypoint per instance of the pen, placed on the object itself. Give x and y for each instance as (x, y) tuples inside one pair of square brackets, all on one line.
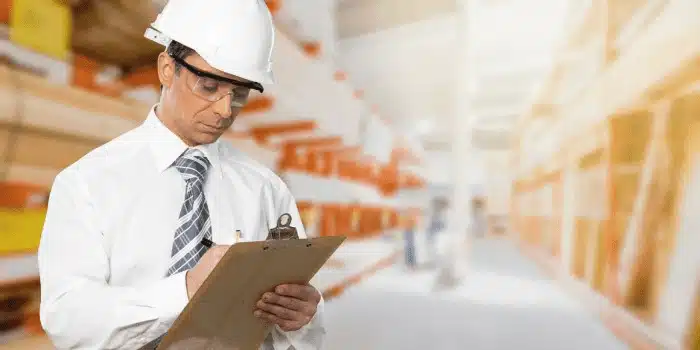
[(207, 242)]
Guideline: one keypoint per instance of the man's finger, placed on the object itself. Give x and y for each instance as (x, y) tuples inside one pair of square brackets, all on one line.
[(280, 311), (303, 292), (267, 317), (287, 302)]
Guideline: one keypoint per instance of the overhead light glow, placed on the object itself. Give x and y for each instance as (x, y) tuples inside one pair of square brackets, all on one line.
[(424, 126)]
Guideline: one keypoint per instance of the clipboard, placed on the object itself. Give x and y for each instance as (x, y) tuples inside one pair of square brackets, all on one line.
[(220, 314)]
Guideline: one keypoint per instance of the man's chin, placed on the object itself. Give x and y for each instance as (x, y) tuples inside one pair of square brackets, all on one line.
[(207, 138)]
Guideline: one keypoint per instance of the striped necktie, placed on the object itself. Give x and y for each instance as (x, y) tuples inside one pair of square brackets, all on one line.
[(194, 223)]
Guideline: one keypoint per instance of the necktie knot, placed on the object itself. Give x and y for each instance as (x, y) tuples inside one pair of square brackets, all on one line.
[(193, 165)]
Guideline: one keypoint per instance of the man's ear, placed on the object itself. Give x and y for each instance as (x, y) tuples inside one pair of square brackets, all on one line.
[(166, 69)]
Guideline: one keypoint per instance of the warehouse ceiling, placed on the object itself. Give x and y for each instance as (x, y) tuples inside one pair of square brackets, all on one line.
[(404, 56), (359, 17)]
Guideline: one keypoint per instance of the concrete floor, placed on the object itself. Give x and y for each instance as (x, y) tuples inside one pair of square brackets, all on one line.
[(504, 302)]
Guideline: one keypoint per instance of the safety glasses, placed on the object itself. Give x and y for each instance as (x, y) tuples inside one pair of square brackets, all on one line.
[(212, 87)]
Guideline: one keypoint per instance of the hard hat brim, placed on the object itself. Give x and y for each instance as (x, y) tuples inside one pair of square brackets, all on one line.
[(158, 37), (165, 40)]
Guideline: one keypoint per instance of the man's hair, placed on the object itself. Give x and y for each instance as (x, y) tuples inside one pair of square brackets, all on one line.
[(178, 50)]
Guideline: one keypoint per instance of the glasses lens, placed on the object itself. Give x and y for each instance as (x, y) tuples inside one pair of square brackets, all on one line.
[(213, 90)]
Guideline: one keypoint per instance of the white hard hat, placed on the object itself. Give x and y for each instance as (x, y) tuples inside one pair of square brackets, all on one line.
[(234, 36)]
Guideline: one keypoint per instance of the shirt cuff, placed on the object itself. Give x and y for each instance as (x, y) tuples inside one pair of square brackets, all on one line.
[(300, 339), (284, 340), (169, 298)]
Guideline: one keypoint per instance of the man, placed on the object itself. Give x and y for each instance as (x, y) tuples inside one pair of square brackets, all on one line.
[(125, 241), (478, 224), (436, 225)]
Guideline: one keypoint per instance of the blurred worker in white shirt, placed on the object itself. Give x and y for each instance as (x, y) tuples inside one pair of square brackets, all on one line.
[(478, 223), (135, 227), (436, 225)]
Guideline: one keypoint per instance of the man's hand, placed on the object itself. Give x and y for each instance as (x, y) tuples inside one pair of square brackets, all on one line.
[(196, 276), (290, 306)]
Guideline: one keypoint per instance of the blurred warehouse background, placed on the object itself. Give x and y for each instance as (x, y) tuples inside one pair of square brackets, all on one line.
[(563, 136)]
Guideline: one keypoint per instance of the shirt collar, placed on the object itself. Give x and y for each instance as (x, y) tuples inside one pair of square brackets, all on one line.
[(167, 146)]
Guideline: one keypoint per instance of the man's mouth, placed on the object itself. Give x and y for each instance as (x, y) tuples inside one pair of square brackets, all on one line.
[(216, 128)]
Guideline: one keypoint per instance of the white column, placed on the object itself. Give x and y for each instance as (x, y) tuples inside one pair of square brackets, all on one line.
[(461, 128)]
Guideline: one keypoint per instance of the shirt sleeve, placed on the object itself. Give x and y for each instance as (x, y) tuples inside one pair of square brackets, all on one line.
[(311, 336), (79, 308)]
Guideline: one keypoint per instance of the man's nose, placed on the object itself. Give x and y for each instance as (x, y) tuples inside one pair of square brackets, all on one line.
[(222, 107)]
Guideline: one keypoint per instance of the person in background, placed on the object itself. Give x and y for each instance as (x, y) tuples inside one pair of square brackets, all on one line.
[(410, 245), (446, 247), (479, 224), (135, 227), (438, 222)]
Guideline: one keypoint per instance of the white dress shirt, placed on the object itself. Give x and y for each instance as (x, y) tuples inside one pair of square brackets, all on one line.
[(108, 236)]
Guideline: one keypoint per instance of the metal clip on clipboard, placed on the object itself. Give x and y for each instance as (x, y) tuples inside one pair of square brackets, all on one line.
[(284, 229), (282, 232)]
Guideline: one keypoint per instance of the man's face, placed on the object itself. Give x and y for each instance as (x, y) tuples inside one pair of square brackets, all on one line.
[(195, 119)]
